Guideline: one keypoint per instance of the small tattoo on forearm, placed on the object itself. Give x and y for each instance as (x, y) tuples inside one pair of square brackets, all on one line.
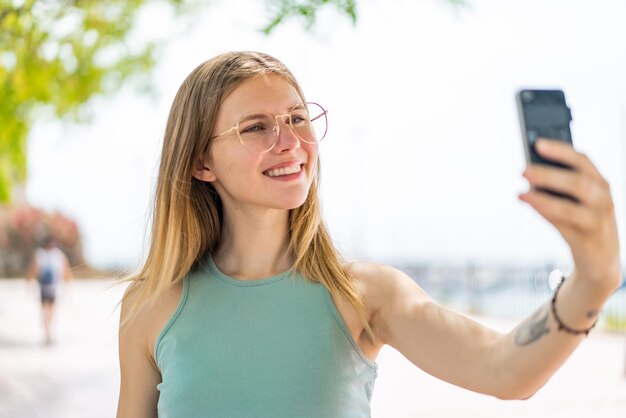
[(533, 328), (592, 313)]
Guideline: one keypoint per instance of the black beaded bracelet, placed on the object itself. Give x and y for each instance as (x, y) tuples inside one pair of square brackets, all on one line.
[(562, 326)]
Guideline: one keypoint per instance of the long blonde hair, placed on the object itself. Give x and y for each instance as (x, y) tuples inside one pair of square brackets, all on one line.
[(187, 212)]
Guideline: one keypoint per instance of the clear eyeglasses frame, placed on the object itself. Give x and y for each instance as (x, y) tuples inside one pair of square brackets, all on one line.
[(258, 131)]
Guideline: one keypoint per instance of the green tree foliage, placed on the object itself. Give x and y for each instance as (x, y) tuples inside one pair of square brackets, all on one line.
[(308, 9), (58, 54)]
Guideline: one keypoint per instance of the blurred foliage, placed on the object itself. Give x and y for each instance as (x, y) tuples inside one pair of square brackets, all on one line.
[(308, 10), (615, 322), (57, 54), (22, 230)]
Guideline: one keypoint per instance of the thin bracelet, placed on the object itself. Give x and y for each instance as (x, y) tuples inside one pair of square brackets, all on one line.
[(562, 326)]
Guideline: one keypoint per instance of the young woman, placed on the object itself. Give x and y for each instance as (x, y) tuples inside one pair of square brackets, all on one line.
[(245, 309)]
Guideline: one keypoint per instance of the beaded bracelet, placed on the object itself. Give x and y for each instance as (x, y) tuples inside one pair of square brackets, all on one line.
[(562, 326)]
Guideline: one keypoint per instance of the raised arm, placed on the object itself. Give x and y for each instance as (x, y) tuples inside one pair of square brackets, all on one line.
[(514, 365), (461, 351)]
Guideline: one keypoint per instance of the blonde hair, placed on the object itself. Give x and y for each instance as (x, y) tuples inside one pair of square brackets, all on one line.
[(187, 212)]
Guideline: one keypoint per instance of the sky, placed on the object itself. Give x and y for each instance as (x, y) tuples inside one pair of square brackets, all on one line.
[(423, 160)]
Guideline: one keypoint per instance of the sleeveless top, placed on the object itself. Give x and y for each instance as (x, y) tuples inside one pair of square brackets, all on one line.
[(273, 347)]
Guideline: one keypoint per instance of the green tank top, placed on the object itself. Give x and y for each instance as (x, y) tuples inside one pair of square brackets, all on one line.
[(274, 347)]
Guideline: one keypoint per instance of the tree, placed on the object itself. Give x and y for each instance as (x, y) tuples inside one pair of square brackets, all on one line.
[(308, 9), (58, 54)]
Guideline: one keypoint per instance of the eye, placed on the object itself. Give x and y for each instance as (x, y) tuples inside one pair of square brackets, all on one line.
[(298, 119), (254, 128)]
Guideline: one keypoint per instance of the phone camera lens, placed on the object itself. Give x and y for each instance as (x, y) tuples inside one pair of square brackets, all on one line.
[(528, 96)]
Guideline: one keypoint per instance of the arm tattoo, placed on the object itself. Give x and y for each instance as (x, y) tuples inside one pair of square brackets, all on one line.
[(533, 328)]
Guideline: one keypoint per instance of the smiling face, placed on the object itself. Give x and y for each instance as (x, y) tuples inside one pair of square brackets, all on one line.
[(277, 179)]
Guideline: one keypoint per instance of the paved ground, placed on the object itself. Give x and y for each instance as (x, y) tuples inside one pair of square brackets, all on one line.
[(78, 376)]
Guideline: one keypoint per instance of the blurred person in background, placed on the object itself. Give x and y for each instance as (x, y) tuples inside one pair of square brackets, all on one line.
[(50, 266)]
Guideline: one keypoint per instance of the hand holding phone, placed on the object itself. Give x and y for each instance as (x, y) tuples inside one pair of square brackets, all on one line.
[(544, 114), (589, 225)]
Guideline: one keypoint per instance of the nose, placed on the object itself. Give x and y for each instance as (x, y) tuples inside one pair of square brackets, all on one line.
[(287, 139)]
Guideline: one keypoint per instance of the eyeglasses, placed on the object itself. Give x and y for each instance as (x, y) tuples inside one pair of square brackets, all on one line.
[(259, 131)]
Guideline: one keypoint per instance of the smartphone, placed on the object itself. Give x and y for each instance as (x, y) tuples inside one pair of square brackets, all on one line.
[(544, 113)]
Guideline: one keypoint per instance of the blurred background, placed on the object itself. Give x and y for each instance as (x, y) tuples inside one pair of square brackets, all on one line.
[(421, 167)]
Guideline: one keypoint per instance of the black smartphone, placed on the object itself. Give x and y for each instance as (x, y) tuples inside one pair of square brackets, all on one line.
[(544, 113)]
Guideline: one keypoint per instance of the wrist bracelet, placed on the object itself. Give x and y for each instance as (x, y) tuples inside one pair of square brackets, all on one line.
[(562, 326)]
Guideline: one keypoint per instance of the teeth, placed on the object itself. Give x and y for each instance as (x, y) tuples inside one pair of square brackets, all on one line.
[(284, 171)]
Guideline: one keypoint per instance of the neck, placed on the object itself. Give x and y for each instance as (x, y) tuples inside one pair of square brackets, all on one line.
[(254, 246)]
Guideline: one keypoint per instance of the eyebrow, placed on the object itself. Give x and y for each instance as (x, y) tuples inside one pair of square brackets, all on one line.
[(298, 105), (251, 116)]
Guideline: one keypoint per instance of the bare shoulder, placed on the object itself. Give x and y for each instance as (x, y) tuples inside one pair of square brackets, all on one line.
[(379, 283), (386, 291), (139, 372), (150, 318)]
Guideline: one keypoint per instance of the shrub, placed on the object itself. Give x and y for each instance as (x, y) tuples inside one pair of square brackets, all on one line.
[(23, 228)]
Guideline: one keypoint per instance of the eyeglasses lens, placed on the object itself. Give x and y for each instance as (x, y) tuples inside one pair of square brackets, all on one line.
[(259, 131)]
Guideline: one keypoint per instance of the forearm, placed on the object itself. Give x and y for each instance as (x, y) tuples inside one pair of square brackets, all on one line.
[(532, 352)]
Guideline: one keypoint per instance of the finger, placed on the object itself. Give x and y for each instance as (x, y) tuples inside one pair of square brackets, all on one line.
[(560, 211), (573, 183), (565, 153)]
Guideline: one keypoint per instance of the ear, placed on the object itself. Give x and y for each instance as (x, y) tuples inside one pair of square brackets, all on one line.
[(202, 172)]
